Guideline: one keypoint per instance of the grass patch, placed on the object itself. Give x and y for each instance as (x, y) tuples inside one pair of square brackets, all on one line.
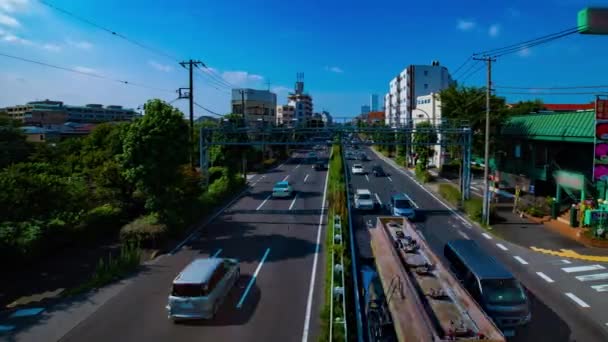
[(449, 193)]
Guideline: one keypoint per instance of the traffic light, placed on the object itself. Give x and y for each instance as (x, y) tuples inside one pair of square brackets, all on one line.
[(593, 21)]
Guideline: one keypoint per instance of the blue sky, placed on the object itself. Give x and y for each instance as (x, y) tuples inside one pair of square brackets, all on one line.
[(347, 49)]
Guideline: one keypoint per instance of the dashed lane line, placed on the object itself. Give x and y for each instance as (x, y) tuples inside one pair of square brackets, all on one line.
[(487, 236), (521, 260), (378, 199), (305, 178), (464, 235), (544, 276), (501, 246), (577, 300), (293, 202), (262, 204), (390, 179)]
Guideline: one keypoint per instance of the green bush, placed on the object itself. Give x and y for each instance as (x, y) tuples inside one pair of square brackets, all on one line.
[(103, 219), (146, 230), (216, 172), (423, 175), (21, 240), (449, 193), (474, 208)]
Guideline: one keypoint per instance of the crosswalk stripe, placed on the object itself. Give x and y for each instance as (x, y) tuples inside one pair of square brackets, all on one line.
[(592, 277), (583, 268), (600, 288)]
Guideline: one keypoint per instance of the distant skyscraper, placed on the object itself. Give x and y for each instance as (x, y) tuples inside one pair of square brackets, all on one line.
[(373, 102), (364, 109)]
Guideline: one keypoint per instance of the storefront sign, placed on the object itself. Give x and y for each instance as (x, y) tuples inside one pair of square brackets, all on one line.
[(600, 157), (593, 217), (570, 180)]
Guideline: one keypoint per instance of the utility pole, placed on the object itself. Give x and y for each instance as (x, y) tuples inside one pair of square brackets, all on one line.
[(486, 157), (191, 64)]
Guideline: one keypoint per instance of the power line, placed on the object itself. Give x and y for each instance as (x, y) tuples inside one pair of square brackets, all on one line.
[(217, 78), (212, 82), (560, 93), (499, 50), (110, 31), (466, 72), (461, 66), (472, 73), (208, 110), (84, 73), (550, 88), (527, 46)]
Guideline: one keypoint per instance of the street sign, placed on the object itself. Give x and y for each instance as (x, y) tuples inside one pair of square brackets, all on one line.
[(593, 20)]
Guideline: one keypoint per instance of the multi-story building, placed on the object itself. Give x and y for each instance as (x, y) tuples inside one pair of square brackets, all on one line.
[(300, 101), (326, 117), (364, 109), (47, 112), (413, 81), (259, 105), (373, 102), (428, 108), (285, 115)]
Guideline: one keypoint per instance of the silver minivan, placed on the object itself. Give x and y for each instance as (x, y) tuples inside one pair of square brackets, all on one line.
[(200, 288)]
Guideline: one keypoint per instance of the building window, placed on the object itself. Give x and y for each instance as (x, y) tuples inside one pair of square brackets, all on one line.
[(426, 86), (518, 151), (426, 72)]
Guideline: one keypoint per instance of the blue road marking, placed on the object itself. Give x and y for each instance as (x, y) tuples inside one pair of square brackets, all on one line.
[(252, 280)]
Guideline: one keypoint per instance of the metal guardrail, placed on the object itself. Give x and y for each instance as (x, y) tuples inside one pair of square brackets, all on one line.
[(337, 289), (353, 255)]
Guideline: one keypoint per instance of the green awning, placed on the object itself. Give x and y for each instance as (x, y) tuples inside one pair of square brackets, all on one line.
[(567, 126)]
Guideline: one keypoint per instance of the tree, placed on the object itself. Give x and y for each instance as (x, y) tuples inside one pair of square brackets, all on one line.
[(468, 104), (425, 136), (13, 146), (526, 107), (154, 148)]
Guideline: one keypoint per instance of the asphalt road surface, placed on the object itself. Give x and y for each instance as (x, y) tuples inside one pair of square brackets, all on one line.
[(273, 308), (555, 316)]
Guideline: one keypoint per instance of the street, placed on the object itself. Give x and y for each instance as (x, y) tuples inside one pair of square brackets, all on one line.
[(558, 312)]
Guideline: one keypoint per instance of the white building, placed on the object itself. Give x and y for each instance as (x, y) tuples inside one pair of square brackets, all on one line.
[(326, 117), (428, 108), (285, 115), (412, 82), (300, 101), (260, 105)]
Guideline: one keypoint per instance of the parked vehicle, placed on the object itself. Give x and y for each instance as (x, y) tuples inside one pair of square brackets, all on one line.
[(364, 200), (402, 205), (489, 283), (282, 189), (357, 169), (199, 289), (378, 171), (363, 157)]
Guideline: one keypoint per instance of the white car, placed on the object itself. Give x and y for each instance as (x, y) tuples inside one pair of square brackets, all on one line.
[(357, 169), (364, 200)]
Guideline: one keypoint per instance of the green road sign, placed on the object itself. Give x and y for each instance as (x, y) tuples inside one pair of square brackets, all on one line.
[(593, 20)]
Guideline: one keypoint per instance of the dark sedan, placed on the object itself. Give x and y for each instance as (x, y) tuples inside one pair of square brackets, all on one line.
[(378, 171)]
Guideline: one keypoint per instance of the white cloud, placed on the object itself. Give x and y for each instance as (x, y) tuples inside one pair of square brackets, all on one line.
[(494, 30), (240, 78), (9, 21), (51, 47), (11, 38), (86, 70), (12, 6), (525, 52), (280, 89), (465, 25), (159, 66), (79, 44), (335, 69)]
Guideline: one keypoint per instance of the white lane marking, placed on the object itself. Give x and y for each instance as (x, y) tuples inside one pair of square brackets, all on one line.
[(501, 246), (600, 288), (311, 288), (297, 166), (566, 261), (252, 280), (582, 268), (487, 236), (367, 178), (263, 176), (262, 204), (414, 203), (577, 300), (305, 178), (544, 276), (293, 202), (213, 217), (452, 210), (464, 235), (475, 188), (378, 198), (592, 277), (521, 260), (286, 177), (390, 179), (217, 253)]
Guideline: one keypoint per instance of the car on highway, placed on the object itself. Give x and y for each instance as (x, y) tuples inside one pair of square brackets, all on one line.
[(200, 288), (363, 157), (378, 171), (282, 189), (402, 205), (320, 165), (312, 155), (364, 200), (350, 155), (495, 289), (318, 148), (357, 169)]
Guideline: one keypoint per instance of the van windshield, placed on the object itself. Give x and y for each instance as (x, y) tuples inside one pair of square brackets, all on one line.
[(503, 292), (403, 204), (188, 290)]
